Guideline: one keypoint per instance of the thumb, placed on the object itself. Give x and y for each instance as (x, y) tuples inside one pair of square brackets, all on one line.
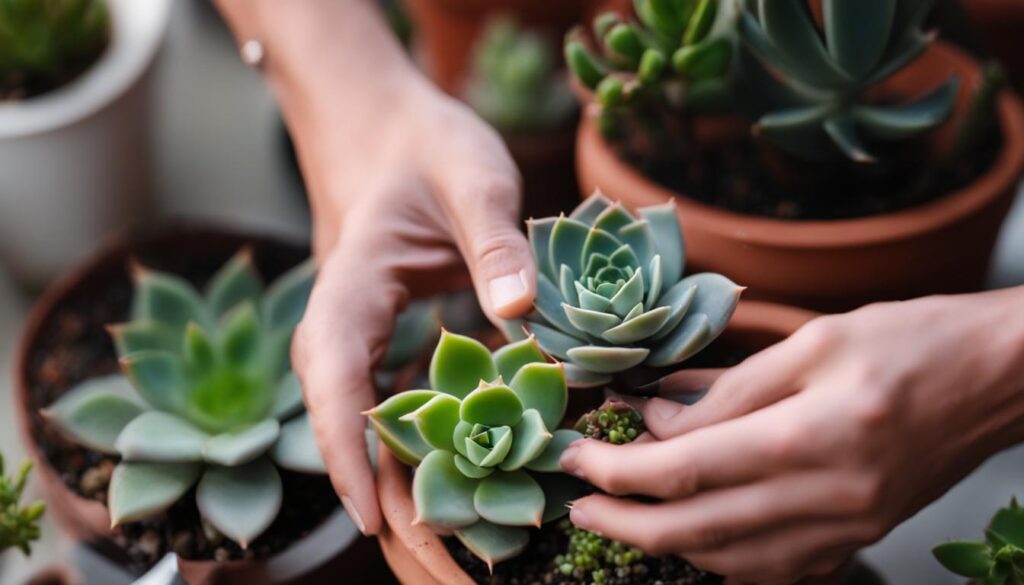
[(484, 213)]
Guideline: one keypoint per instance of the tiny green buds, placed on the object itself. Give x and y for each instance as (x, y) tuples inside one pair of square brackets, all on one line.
[(207, 399), (591, 558), (999, 559), (614, 422), (19, 525)]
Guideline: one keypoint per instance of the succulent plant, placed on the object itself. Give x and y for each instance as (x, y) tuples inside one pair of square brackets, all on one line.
[(486, 451), (42, 44), (999, 559), (207, 396), (611, 294), (514, 83), (615, 422), (19, 525), (817, 82), (592, 558), (673, 54)]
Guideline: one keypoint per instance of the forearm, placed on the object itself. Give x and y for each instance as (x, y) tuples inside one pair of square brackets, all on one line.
[(1001, 335)]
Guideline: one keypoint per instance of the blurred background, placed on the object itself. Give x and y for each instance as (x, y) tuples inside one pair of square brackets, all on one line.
[(198, 136)]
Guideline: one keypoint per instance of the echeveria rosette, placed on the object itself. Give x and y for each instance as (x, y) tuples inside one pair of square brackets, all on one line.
[(486, 443), (811, 85), (611, 295), (207, 396)]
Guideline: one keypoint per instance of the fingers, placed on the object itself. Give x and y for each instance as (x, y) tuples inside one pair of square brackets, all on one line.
[(715, 519), (345, 327)]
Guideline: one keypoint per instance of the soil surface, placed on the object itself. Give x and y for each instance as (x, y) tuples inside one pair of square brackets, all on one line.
[(745, 178), (19, 85), (74, 346)]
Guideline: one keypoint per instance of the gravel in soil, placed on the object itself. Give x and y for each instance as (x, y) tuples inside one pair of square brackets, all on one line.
[(76, 347)]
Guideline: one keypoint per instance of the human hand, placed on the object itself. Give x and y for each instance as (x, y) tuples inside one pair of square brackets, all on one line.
[(423, 199), (820, 444)]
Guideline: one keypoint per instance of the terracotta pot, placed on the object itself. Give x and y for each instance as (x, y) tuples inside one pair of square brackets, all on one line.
[(445, 30), (55, 575), (940, 247), (418, 557), (88, 520), (999, 30)]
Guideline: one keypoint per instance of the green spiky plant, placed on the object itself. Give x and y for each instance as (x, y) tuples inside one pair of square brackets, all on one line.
[(671, 58), (999, 559), (515, 83), (44, 44), (812, 87), (19, 525), (611, 294), (485, 442), (207, 395)]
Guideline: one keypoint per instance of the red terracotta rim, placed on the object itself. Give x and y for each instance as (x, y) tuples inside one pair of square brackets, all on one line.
[(845, 233)]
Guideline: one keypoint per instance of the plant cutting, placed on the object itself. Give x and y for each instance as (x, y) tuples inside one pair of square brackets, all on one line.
[(73, 96), (997, 560), (207, 398), (844, 163), (611, 295), (19, 524)]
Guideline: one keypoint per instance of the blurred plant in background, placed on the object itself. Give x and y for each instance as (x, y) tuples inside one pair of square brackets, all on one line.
[(47, 43), (19, 525)]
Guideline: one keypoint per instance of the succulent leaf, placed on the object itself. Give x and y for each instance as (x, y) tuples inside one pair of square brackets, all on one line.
[(1008, 524), (493, 543), (841, 128), (442, 494), (198, 354), (241, 502), (141, 335), (288, 401), (160, 437), (243, 445), (167, 299), (510, 358), (664, 227), (158, 377), (608, 360), (296, 448), (541, 387), (685, 340), (905, 120), (539, 235), (965, 558), (857, 49), (242, 336), (460, 364), (510, 498), (139, 490), (470, 470), (436, 420), (94, 412), (531, 438), (491, 405), (577, 377), (285, 300), (236, 282), (402, 437), (547, 461)]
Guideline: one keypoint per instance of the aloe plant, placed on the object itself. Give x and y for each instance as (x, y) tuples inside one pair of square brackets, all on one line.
[(611, 294), (42, 44), (818, 81), (485, 442), (19, 525), (999, 559), (207, 398), (673, 55), (514, 83)]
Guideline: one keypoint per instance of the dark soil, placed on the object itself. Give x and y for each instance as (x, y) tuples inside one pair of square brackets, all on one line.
[(744, 177), (19, 85), (535, 566), (73, 346)]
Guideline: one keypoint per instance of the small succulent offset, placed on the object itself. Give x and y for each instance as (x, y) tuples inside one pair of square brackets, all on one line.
[(19, 525), (615, 422), (999, 559), (611, 294), (486, 443), (515, 83), (821, 87), (207, 396), (672, 54), (44, 43)]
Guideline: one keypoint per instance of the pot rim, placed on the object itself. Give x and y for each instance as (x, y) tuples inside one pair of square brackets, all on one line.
[(842, 233), (394, 483), (337, 529), (137, 30)]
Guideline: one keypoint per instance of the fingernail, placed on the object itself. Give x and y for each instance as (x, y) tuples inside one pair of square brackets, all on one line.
[(353, 513), (665, 408), (507, 290), (568, 461), (579, 518)]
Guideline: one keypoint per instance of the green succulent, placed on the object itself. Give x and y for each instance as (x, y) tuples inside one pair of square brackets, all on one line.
[(514, 83), (615, 422), (19, 525), (207, 395), (999, 559), (673, 54), (817, 88), (43, 42), (591, 558), (611, 294), (486, 451)]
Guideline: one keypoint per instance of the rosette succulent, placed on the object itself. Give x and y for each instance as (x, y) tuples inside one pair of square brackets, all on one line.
[(207, 395), (485, 442), (611, 294), (817, 81), (999, 559), (19, 525)]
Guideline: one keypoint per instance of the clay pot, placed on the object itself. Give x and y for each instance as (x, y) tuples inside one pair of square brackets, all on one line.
[(999, 30), (445, 30), (418, 557), (88, 520), (943, 246), (55, 575)]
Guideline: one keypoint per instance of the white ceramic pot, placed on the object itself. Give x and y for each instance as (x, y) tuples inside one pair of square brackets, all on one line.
[(74, 162)]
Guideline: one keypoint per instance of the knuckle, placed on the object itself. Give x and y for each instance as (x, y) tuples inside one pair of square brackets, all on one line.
[(707, 538), (790, 440), (493, 244), (822, 333), (681, 480), (866, 494), (656, 542)]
